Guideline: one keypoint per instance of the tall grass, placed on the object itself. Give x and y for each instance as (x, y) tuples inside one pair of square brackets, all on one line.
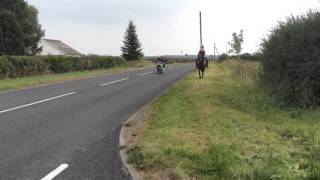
[(226, 127), (245, 71)]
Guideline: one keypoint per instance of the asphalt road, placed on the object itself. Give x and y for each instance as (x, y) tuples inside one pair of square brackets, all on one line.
[(71, 130)]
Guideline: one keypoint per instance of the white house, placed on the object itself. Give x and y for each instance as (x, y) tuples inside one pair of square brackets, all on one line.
[(56, 47)]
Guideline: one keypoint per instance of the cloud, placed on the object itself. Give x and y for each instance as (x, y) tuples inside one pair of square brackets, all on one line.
[(110, 12)]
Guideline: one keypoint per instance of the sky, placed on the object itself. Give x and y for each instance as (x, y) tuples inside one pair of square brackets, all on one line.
[(165, 27)]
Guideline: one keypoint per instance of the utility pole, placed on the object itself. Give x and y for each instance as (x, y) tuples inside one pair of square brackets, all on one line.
[(227, 48), (200, 29), (214, 54), (216, 50)]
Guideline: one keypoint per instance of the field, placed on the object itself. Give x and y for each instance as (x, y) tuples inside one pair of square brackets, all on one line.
[(225, 127), (18, 83)]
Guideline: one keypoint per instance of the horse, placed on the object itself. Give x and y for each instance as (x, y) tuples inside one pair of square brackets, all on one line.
[(202, 63)]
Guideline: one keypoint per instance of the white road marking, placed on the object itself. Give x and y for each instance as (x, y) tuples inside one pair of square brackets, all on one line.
[(34, 103), (55, 172), (145, 73), (106, 84)]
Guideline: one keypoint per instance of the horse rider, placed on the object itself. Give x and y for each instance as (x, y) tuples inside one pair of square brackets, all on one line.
[(202, 54)]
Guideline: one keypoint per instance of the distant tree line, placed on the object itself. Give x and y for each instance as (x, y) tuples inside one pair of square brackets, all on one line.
[(20, 30), (245, 56)]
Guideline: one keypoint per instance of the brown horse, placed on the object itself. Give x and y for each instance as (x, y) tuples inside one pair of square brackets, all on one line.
[(202, 63)]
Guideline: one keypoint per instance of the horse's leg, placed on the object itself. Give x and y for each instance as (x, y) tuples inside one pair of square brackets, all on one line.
[(203, 70)]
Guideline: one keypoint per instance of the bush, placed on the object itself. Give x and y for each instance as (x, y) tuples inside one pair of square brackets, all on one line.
[(251, 57), (61, 64), (291, 60), (223, 57), (5, 67), (246, 56), (23, 66), (257, 56)]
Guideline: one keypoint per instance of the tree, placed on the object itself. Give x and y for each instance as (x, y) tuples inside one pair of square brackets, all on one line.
[(131, 49), (33, 31), (26, 18), (11, 34), (236, 43)]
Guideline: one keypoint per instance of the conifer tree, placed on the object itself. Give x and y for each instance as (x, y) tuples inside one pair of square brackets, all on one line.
[(131, 50)]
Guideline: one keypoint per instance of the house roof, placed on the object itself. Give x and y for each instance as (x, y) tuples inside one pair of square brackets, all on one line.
[(62, 47)]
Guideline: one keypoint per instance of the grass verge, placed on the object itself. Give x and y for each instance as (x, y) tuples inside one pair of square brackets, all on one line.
[(18, 83), (226, 127)]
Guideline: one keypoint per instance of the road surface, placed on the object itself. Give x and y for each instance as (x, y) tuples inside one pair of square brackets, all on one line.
[(71, 130)]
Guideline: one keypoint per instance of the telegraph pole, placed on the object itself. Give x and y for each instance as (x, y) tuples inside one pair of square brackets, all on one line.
[(216, 50), (214, 54), (200, 15)]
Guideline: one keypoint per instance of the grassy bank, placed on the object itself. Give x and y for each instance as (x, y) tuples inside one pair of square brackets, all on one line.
[(18, 83), (226, 127)]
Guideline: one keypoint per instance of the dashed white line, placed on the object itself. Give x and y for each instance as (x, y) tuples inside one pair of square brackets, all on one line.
[(38, 102), (56, 172), (145, 73), (106, 84)]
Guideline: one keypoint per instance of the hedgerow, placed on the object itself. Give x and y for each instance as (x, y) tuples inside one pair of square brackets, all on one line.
[(291, 60), (22, 66)]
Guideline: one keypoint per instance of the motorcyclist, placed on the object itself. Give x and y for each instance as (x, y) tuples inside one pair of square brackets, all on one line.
[(161, 61), (160, 65)]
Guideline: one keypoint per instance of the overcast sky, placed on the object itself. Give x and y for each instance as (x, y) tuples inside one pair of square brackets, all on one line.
[(165, 26)]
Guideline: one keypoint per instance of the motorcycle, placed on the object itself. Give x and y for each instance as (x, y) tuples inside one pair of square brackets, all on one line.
[(160, 68)]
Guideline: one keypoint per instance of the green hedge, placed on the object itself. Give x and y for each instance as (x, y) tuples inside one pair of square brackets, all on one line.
[(291, 60), (5, 67), (22, 66)]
